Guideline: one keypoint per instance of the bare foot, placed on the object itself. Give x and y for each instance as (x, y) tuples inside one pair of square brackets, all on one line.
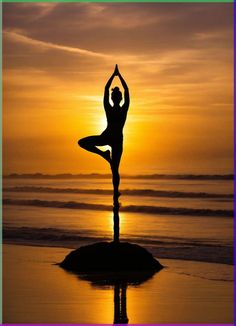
[(107, 156)]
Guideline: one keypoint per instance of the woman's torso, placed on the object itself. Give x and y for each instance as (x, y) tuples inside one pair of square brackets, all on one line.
[(116, 118)]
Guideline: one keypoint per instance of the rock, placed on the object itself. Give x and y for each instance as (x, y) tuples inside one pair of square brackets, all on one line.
[(111, 257)]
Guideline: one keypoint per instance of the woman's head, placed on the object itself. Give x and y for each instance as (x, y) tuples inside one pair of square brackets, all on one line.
[(116, 95)]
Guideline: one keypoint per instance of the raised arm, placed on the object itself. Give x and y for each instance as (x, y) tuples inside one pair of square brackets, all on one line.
[(106, 91), (126, 89)]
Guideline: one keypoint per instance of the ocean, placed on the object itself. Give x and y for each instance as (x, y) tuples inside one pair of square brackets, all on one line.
[(185, 221), (186, 217)]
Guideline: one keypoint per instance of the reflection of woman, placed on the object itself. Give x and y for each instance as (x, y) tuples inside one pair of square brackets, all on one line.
[(113, 134)]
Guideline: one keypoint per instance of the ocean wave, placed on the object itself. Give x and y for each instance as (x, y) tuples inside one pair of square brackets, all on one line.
[(162, 247), (131, 208), (127, 192), (124, 176), (52, 234)]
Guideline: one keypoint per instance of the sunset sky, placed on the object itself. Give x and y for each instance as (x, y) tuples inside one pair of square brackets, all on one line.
[(176, 58)]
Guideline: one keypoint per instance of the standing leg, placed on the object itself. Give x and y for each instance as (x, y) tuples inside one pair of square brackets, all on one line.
[(117, 149), (90, 143)]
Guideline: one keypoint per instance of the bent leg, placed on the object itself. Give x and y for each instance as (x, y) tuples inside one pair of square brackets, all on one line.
[(90, 143)]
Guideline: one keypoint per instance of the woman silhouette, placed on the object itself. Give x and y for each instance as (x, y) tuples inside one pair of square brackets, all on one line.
[(113, 134)]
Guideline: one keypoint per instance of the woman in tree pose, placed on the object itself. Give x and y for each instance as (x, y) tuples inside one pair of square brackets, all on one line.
[(113, 134)]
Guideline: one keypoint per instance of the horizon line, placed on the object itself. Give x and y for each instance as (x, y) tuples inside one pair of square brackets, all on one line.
[(215, 176)]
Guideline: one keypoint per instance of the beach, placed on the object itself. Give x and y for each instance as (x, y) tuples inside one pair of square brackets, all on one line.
[(185, 223), (38, 291)]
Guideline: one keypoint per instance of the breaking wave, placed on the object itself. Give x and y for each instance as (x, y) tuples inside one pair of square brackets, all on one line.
[(127, 192), (163, 247), (130, 208)]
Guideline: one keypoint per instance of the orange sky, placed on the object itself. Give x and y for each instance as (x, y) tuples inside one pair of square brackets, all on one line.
[(176, 58)]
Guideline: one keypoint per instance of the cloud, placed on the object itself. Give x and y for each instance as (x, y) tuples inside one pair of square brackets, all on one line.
[(17, 37), (41, 8), (177, 59)]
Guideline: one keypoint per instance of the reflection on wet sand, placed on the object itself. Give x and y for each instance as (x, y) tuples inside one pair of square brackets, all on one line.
[(120, 283), (120, 307)]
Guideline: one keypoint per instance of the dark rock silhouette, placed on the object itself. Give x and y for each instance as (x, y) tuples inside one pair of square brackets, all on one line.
[(111, 257)]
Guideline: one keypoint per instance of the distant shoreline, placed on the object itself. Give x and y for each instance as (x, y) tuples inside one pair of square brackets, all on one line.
[(124, 176)]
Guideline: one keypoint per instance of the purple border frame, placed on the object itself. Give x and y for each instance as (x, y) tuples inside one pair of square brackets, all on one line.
[(122, 324), (234, 98)]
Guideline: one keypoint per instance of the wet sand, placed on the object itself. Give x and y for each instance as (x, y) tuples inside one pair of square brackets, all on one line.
[(35, 290)]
